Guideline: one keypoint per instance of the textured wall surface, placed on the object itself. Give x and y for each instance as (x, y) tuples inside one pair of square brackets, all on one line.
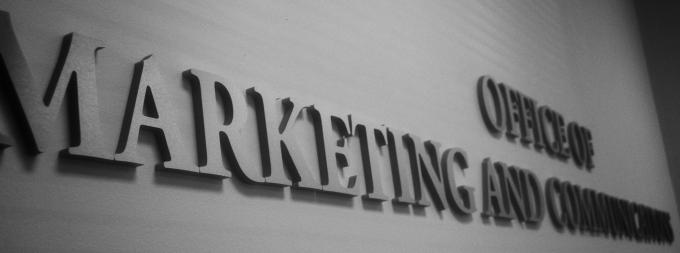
[(412, 65)]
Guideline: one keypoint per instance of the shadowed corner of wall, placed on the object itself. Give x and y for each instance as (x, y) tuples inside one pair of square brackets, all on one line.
[(659, 24)]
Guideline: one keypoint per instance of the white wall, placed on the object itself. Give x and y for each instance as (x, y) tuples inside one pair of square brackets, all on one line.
[(412, 65)]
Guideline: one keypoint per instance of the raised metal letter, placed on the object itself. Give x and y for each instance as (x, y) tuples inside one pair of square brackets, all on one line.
[(491, 103), (148, 91), (276, 119), (401, 171), (215, 138), (461, 198), (373, 149), (494, 203), (73, 78), (332, 136)]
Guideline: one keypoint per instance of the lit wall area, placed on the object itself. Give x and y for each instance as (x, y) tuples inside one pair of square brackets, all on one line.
[(332, 126)]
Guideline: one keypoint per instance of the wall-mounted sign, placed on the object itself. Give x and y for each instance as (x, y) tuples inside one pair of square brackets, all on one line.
[(417, 166), (506, 110)]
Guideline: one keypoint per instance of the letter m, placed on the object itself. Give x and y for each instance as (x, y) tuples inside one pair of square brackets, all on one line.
[(73, 81)]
